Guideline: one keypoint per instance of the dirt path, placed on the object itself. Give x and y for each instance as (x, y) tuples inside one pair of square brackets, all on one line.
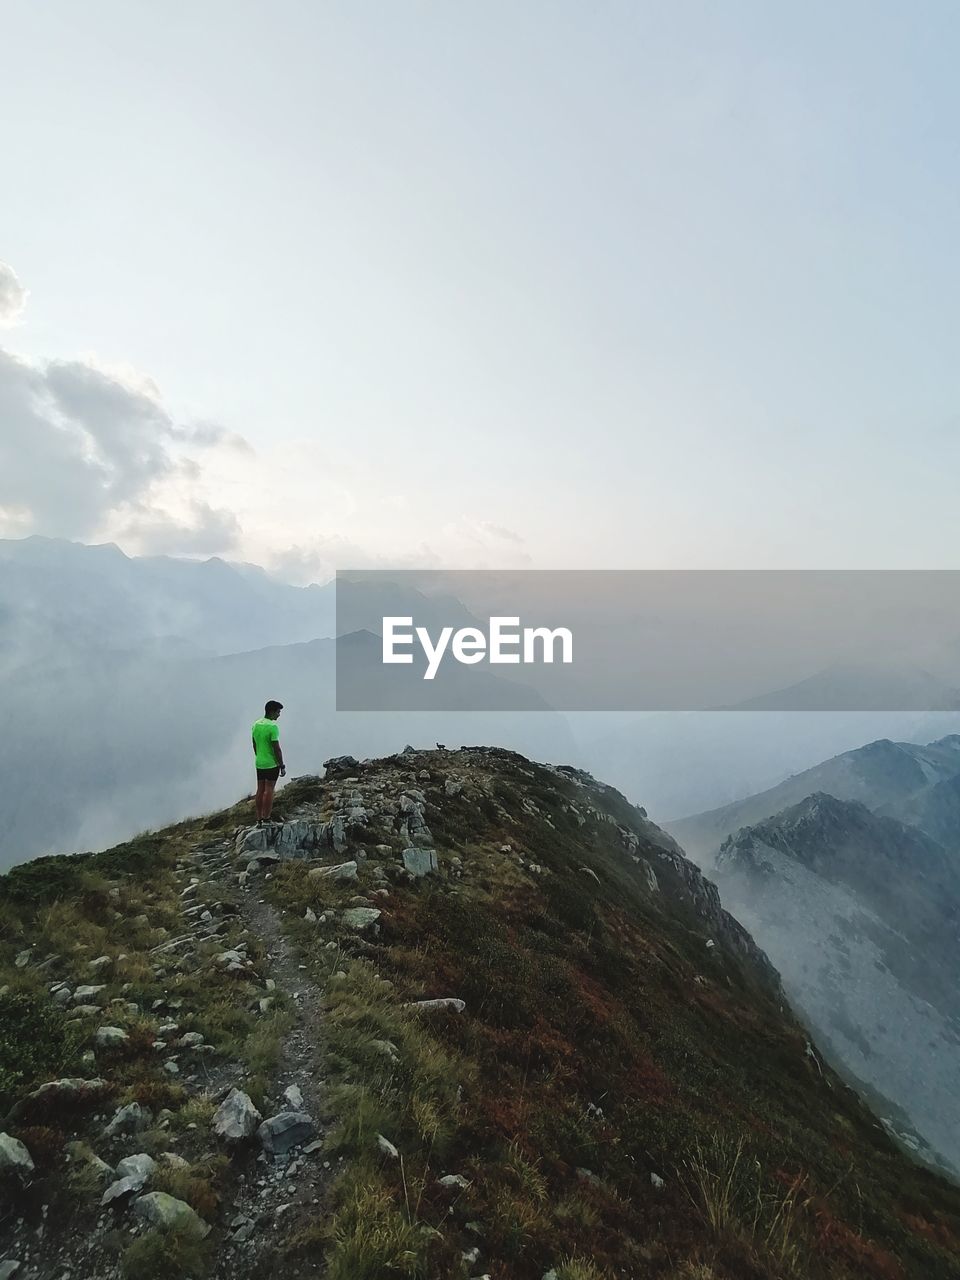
[(277, 1197)]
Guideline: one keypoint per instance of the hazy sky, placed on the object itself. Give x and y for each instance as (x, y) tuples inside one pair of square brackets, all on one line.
[(556, 284)]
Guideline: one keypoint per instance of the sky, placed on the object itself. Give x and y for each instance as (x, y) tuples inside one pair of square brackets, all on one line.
[(548, 285)]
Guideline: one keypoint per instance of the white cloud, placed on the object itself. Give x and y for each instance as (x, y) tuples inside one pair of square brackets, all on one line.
[(84, 452), (13, 296)]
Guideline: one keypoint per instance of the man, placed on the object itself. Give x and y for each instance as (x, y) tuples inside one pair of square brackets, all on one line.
[(269, 759)]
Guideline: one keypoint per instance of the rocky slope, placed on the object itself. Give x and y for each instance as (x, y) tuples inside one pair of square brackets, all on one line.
[(459, 1015), (861, 914), (881, 774)]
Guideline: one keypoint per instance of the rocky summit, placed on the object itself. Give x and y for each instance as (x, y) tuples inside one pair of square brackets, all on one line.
[(458, 1015)]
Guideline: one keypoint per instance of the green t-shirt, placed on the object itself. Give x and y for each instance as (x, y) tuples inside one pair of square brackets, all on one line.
[(265, 734)]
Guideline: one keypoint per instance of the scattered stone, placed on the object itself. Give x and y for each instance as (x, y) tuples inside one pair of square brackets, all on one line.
[(310, 915), (123, 1187), (419, 862), (160, 1210), (129, 1119), (110, 1037), (656, 1182), (22, 960), (387, 1147), (87, 994), (101, 963), (454, 1180), (9, 1268), (360, 917), (286, 1130), (15, 1158), (191, 1040), (294, 1097), (444, 1002), (136, 1166), (340, 871)]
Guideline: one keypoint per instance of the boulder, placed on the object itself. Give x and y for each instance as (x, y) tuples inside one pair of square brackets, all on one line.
[(444, 1002), (129, 1119), (88, 994), (387, 1147), (140, 1165), (360, 917), (236, 1118), (293, 1097), (169, 1214), (122, 1188), (70, 1090), (110, 1037), (286, 1130), (420, 862), (339, 871), (15, 1159)]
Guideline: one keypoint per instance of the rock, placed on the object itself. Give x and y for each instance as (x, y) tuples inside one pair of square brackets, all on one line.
[(294, 1097), (420, 862), (62, 996), (360, 917), (310, 916), (73, 1090), (160, 1210), (101, 963), (236, 1118), (254, 840), (452, 787), (191, 1040), (587, 1175), (341, 871), (588, 871), (88, 994), (340, 764), (286, 1130), (173, 1161), (387, 1147), (129, 1119), (454, 1181), (22, 960), (228, 958), (123, 1187), (15, 1159), (656, 1181), (9, 1268), (110, 1037), (136, 1166), (444, 1002)]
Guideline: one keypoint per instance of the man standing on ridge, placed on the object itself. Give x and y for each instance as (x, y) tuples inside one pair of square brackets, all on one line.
[(269, 759)]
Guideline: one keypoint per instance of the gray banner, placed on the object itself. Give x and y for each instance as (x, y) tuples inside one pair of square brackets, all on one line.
[(639, 640)]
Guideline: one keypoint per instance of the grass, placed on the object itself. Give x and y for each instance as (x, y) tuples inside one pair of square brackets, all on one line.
[(739, 1202)]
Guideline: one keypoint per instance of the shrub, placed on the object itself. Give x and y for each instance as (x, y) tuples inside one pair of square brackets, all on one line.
[(35, 1043)]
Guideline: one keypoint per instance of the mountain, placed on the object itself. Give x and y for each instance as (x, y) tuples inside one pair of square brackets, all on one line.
[(459, 1014), (883, 773), (58, 597), (861, 686), (935, 809), (861, 915)]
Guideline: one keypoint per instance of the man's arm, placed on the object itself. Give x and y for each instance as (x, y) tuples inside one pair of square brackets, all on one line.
[(278, 755)]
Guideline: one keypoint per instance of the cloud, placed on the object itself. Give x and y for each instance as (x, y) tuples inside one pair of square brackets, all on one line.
[(13, 296), (85, 450)]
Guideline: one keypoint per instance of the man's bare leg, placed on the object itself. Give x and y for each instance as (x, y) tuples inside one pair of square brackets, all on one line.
[(259, 803), (267, 802)]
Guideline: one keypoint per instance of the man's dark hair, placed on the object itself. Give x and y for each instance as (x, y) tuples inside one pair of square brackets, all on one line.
[(272, 707)]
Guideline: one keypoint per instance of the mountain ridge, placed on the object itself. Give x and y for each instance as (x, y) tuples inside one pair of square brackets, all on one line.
[(517, 1018)]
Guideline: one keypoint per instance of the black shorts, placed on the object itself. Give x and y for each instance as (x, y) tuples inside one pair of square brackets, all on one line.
[(268, 775)]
